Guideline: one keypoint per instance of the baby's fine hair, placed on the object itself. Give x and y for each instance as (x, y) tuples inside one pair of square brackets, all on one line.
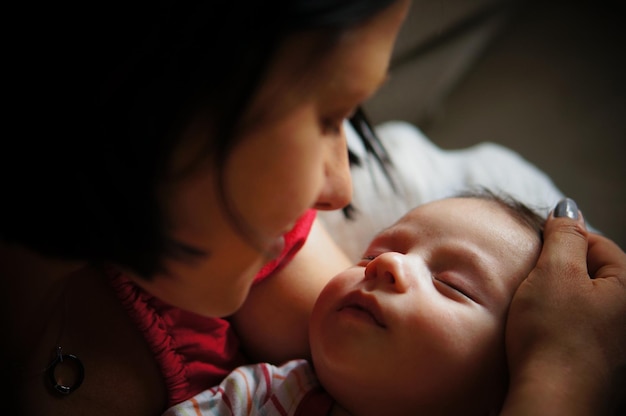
[(521, 212)]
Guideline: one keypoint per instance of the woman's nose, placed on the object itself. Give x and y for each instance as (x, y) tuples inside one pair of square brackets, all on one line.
[(336, 192), (389, 271)]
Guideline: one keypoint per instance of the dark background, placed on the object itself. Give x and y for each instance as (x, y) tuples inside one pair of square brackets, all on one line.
[(544, 78)]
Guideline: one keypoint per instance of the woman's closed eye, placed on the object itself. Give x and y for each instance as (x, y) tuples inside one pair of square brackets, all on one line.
[(332, 127)]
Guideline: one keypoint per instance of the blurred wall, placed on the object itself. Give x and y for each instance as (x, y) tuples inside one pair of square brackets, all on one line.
[(545, 78)]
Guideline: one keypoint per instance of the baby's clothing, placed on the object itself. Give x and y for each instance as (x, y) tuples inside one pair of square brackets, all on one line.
[(193, 351), (262, 389)]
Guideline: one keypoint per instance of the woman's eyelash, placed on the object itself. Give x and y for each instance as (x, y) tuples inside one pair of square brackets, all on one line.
[(333, 127)]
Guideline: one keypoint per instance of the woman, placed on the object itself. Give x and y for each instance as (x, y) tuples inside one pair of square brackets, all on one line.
[(198, 140)]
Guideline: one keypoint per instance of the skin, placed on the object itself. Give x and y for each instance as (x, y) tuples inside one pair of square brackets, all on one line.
[(301, 147), (274, 319), (421, 318), (298, 147), (35, 285), (582, 281)]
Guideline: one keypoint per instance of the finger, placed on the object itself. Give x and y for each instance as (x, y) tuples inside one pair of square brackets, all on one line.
[(564, 251), (605, 258)]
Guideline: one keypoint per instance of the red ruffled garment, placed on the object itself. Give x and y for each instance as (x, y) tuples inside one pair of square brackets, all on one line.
[(195, 352)]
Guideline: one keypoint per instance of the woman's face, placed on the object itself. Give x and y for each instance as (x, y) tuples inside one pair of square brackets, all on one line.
[(291, 156)]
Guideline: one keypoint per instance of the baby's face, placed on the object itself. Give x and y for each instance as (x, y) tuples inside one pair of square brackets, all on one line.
[(420, 320)]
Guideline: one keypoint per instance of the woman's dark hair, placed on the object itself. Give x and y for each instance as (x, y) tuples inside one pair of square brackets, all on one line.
[(101, 96)]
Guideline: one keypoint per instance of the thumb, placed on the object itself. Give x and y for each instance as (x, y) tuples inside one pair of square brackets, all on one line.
[(564, 252)]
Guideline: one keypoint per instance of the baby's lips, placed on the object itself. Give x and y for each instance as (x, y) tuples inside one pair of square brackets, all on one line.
[(366, 303)]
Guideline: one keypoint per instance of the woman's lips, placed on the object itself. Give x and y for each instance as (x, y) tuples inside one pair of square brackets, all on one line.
[(364, 305)]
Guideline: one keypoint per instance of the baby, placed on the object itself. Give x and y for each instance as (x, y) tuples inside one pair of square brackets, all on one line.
[(416, 327)]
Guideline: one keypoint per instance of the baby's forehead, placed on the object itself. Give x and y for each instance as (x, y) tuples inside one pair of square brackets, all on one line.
[(447, 206), (470, 207), (464, 218)]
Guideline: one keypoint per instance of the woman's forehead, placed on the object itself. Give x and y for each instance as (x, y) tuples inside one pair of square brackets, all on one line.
[(342, 66)]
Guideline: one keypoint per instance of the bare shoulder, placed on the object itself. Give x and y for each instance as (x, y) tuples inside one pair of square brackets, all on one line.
[(273, 323), (73, 306)]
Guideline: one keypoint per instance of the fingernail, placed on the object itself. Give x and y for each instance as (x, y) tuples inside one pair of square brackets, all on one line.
[(566, 208)]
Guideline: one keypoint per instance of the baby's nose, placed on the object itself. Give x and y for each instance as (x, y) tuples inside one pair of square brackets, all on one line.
[(390, 271)]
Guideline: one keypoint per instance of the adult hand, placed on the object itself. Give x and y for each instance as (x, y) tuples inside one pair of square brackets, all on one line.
[(566, 331)]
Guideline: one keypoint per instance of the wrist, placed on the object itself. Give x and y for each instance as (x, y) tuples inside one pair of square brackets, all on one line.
[(561, 385)]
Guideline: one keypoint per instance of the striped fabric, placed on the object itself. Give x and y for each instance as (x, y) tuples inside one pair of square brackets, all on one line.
[(260, 389)]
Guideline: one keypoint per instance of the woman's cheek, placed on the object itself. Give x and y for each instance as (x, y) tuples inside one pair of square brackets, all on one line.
[(273, 191)]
